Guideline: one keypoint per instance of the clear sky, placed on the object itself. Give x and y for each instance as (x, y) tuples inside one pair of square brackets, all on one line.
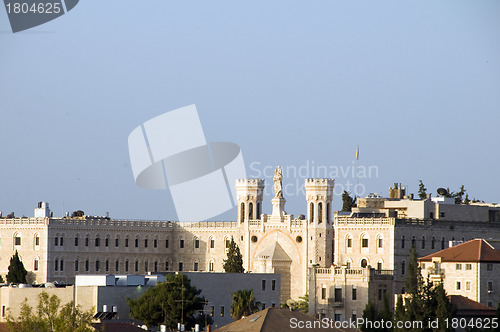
[(297, 83)]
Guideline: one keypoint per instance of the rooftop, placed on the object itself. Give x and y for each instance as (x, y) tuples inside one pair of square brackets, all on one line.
[(477, 250)]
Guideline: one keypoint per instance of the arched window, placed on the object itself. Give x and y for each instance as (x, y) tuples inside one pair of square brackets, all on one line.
[(364, 263), (423, 242), (364, 240), (379, 264), (380, 241), (211, 242), (403, 239), (97, 240), (17, 239), (443, 241), (211, 265), (320, 213), (348, 241), (36, 240), (311, 212), (433, 243), (35, 264), (196, 242), (250, 211), (328, 212), (403, 267), (242, 211), (413, 241), (258, 210)]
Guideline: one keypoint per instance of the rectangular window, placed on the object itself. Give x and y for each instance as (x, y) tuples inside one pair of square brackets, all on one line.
[(441, 214), (212, 310), (126, 243), (467, 285), (227, 243), (155, 243), (136, 266), (273, 285), (97, 265), (166, 266), (126, 266), (61, 241), (323, 292), (490, 286), (489, 267), (106, 242), (3, 311), (212, 243), (222, 311), (349, 243), (35, 265), (354, 293), (17, 240), (56, 241), (145, 243), (364, 243), (156, 266), (458, 266), (195, 266), (76, 265), (263, 285), (97, 242), (87, 265), (273, 305), (107, 266), (86, 242), (117, 242), (146, 266), (181, 243), (137, 243), (76, 242), (166, 243), (459, 285), (353, 316), (380, 243), (117, 266), (263, 305), (180, 266), (61, 265), (56, 265), (37, 241), (338, 294), (197, 243)]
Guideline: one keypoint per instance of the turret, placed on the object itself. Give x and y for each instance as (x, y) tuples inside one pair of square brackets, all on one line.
[(249, 193)]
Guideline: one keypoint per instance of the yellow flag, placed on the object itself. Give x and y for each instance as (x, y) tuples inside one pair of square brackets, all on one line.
[(357, 153)]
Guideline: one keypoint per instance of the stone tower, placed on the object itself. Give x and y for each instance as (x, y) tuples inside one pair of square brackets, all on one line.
[(319, 195), (249, 194)]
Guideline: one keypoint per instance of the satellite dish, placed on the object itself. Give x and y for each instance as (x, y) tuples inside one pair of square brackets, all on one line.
[(442, 192)]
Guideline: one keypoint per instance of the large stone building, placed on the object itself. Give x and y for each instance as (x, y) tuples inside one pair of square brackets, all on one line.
[(470, 269), (57, 249), (375, 235)]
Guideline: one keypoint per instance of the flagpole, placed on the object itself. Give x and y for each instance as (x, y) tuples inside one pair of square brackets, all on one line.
[(357, 175)]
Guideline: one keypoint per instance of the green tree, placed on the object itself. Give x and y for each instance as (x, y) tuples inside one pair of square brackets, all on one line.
[(399, 313), (17, 272), (243, 304), (303, 304), (49, 316), (370, 313), (234, 261), (459, 195), (444, 308), (168, 303), (422, 191), (347, 201)]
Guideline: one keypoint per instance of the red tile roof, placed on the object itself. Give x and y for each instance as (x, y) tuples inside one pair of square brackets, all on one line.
[(469, 308), (477, 250)]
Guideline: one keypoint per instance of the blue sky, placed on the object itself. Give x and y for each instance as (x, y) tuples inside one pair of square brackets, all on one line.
[(416, 84)]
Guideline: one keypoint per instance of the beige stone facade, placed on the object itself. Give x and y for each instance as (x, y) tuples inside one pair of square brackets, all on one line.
[(376, 235)]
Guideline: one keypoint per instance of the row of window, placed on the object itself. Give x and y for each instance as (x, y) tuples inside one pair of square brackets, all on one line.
[(128, 266), (363, 263), (364, 241)]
